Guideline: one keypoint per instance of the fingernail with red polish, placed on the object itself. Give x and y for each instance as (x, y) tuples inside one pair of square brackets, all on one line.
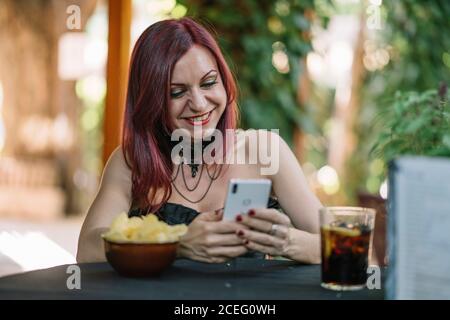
[(238, 218), (246, 242), (251, 213), (240, 233)]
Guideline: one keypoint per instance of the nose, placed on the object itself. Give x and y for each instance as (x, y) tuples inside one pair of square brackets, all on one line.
[(198, 103)]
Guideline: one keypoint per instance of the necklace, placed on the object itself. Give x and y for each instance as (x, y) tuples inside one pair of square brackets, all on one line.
[(193, 176), (212, 178), (192, 165), (194, 170)]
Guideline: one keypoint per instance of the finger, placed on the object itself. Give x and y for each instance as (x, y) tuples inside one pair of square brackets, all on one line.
[(224, 227), (230, 252), (271, 215), (254, 223), (211, 259), (282, 232), (219, 213), (219, 259), (229, 239), (279, 231), (215, 215), (262, 238), (262, 248)]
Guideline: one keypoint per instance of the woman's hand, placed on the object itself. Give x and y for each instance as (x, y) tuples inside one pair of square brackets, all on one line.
[(209, 239), (271, 233), (268, 231)]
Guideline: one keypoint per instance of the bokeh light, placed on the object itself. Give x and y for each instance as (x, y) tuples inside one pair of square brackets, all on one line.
[(384, 190), (328, 179)]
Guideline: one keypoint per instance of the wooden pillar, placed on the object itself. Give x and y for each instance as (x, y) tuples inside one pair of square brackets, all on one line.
[(119, 16)]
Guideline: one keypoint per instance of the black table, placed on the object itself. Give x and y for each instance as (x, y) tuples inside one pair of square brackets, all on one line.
[(243, 278)]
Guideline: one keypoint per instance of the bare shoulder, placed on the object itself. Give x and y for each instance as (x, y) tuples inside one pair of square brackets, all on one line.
[(113, 197), (263, 151), (117, 172), (260, 140), (117, 159)]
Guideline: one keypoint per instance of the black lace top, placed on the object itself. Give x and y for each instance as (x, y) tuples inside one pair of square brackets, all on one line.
[(174, 213)]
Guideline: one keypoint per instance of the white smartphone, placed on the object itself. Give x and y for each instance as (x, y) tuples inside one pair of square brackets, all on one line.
[(246, 194)]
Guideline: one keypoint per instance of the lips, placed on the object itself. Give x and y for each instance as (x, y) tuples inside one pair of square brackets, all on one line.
[(200, 119)]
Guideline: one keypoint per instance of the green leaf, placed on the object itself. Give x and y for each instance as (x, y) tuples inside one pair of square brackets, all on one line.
[(415, 125), (446, 140)]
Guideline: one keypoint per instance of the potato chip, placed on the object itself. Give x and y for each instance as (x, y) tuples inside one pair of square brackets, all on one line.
[(143, 230), (120, 222)]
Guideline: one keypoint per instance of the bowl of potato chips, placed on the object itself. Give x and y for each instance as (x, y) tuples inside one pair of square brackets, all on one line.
[(141, 246)]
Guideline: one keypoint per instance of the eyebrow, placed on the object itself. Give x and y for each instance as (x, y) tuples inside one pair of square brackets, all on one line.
[(204, 76)]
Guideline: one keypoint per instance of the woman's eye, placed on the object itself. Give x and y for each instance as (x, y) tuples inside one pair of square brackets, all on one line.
[(209, 84), (176, 94)]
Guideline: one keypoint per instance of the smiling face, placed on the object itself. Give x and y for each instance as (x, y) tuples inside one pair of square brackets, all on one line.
[(197, 94)]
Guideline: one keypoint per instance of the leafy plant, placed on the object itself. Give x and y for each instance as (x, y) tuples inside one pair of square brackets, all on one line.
[(412, 33), (417, 123)]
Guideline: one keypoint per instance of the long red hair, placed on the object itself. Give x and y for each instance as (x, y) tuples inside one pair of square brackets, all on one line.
[(146, 130)]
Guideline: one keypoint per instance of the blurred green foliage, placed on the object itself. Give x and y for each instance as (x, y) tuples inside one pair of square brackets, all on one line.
[(417, 124), (413, 32), (250, 32), (416, 35)]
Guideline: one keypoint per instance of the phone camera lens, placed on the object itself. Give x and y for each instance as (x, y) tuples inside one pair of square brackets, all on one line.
[(234, 188)]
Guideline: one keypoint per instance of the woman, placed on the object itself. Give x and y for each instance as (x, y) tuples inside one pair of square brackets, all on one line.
[(179, 80)]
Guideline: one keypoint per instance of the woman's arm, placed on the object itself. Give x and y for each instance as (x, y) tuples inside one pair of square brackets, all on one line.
[(301, 205), (288, 181), (301, 242), (293, 192), (113, 197), (208, 238), (271, 232)]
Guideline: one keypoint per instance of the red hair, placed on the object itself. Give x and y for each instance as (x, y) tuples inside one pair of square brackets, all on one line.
[(146, 131)]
